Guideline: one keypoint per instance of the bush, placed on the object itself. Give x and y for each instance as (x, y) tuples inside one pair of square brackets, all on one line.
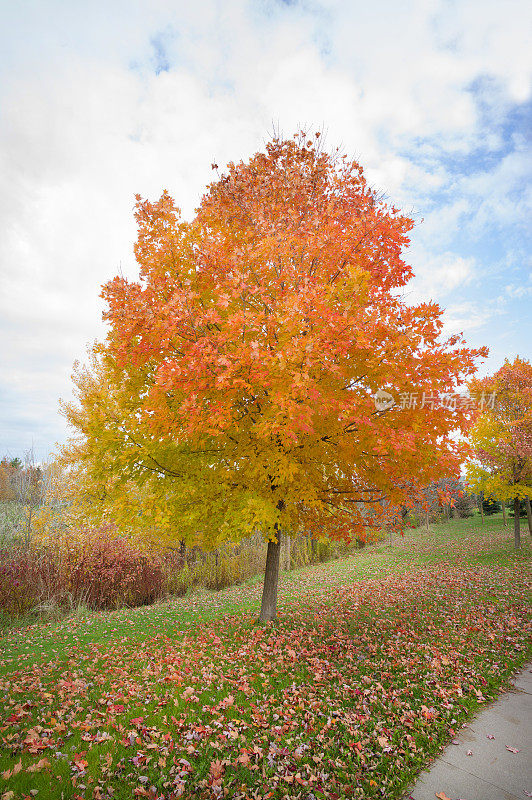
[(522, 509), (16, 597), (28, 577), (180, 578), (100, 570), (110, 572)]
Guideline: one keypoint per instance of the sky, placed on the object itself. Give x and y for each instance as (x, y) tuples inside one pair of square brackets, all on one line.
[(103, 100)]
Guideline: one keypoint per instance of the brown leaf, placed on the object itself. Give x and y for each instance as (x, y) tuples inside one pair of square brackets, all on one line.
[(41, 764), (216, 769)]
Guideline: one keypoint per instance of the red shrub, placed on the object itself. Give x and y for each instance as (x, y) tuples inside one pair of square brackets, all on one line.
[(99, 570), (111, 572), (28, 577)]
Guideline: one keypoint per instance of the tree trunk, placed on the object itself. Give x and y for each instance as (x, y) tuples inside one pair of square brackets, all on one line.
[(504, 513), (517, 529), (482, 507), (268, 606), (28, 529), (529, 514), (427, 521)]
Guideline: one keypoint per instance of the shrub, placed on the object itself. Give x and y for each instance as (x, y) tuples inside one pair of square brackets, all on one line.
[(27, 577), (99, 569), (180, 578), (15, 594), (109, 572)]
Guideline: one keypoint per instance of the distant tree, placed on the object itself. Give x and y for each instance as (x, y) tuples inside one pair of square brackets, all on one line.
[(464, 502), (9, 467), (7, 491), (502, 438), (490, 506), (28, 487)]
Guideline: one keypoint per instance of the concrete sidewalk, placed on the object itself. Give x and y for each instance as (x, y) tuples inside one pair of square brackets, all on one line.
[(492, 771)]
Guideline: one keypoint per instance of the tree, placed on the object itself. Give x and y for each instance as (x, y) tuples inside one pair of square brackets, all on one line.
[(460, 501), (29, 487), (235, 390), (7, 478), (490, 507), (502, 438)]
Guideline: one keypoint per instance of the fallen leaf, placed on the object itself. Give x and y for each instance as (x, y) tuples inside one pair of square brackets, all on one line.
[(41, 764), (512, 749), (442, 796)]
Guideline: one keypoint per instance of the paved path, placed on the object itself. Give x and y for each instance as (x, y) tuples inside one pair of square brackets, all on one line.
[(491, 772)]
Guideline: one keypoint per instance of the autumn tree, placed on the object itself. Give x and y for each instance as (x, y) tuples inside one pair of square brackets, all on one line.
[(502, 439), (234, 392), (7, 477)]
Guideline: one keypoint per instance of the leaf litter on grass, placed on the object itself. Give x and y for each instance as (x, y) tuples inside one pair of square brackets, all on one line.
[(348, 695)]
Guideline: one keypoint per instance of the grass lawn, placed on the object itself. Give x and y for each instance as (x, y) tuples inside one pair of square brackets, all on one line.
[(374, 664)]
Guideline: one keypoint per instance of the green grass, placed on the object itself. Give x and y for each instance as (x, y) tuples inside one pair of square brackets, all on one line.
[(374, 663)]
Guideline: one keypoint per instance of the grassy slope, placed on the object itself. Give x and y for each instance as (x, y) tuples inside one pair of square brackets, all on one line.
[(375, 661)]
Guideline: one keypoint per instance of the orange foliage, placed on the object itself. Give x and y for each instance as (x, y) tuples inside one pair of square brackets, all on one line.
[(235, 390)]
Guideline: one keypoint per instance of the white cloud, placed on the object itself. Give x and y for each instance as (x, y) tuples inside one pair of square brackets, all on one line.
[(466, 316), (437, 276)]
